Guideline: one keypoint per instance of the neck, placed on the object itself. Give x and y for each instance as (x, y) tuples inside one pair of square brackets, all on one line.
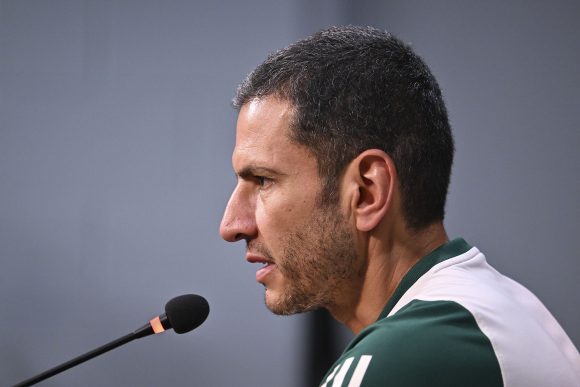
[(387, 262)]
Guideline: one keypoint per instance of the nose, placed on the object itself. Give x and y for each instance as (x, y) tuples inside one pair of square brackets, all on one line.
[(238, 221)]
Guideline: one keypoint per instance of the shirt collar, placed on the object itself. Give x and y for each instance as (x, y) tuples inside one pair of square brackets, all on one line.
[(448, 250)]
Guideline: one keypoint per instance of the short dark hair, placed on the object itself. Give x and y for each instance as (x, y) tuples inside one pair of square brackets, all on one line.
[(357, 88)]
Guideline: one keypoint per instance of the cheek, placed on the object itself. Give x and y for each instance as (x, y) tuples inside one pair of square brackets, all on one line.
[(273, 220), (283, 211)]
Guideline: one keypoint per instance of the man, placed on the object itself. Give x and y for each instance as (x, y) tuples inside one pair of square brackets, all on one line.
[(343, 155)]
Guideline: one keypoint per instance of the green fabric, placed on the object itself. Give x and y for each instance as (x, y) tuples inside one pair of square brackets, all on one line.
[(426, 343)]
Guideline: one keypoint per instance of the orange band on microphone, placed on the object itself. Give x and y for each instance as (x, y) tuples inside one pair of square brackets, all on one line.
[(156, 325)]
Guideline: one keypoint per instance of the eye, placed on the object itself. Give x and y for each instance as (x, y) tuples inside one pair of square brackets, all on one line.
[(263, 181)]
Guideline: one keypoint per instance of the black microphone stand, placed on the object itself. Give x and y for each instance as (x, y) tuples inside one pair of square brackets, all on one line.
[(145, 330)]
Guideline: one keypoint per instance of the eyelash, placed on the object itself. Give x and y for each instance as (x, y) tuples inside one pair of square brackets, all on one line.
[(263, 181)]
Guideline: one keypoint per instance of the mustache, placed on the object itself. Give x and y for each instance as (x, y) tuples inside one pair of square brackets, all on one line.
[(257, 247)]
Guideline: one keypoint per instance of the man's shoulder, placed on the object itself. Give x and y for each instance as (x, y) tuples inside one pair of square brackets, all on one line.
[(426, 343), (422, 329)]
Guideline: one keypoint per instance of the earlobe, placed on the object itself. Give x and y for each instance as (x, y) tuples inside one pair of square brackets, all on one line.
[(375, 174)]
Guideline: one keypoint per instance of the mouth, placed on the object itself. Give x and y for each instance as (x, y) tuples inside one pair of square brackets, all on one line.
[(254, 258), (266, 268)]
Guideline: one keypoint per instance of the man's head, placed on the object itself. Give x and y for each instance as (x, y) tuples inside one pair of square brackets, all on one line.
[(356, 88), (307, 251), (346, 102)]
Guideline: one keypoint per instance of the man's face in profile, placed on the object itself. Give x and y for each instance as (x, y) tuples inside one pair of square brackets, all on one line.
[(306, 252)]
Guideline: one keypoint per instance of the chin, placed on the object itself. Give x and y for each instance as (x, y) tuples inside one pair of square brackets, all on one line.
[(273, 303), (285, 305)]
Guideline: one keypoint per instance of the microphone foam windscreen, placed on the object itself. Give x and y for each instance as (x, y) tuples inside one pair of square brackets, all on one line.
[(186, 312)]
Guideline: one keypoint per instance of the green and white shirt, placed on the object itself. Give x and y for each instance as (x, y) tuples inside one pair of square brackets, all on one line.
[(455, 321)]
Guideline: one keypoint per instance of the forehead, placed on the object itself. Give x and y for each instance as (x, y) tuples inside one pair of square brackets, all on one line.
[(263, 119), (263, 135)]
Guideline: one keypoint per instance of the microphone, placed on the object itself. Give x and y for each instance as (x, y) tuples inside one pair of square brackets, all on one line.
[(182, 314)]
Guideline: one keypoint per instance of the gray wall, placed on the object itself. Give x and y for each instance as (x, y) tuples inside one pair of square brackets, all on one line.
[(115, 141)]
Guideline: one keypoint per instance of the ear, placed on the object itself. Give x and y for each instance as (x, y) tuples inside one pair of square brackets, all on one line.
[(373, 176)]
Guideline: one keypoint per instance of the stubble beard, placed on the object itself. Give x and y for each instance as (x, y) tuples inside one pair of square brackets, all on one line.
[(318, 263)]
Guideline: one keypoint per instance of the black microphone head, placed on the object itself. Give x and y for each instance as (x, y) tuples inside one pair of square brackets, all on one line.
[(186, 312)]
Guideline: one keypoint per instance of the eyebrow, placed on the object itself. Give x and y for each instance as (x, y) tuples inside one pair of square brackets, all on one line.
[(254, 170)]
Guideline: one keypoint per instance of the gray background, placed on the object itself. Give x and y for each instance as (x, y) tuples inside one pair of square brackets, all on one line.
[(115, 142)]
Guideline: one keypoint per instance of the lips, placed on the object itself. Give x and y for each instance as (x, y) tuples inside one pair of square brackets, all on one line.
[(268, 266), (264, 271)]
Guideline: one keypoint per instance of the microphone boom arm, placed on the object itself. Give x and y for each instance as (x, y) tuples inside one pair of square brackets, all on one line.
[(145, 330), (182, 314)]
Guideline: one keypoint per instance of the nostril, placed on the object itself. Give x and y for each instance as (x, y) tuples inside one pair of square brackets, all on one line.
[(239, 237), (230, 233)]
